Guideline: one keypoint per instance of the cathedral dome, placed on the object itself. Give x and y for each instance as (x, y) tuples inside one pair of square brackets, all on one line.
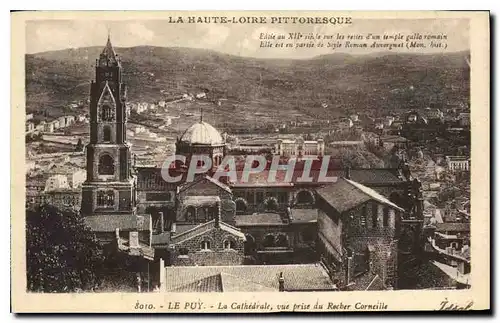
[(202, 133)]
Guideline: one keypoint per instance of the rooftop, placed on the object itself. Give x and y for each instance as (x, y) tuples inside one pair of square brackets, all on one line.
[(248, 278), (346, 194)]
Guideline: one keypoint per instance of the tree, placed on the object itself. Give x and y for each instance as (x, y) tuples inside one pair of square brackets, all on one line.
[(62, 253)]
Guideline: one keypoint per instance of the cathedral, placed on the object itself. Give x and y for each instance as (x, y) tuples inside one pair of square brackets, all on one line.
[(349, 225)]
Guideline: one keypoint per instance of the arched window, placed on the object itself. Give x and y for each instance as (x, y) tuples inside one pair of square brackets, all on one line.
[(241, 205), (202, 215), (106, 198), (191, 214), (106, 165), (249, 245), (282, 240), (268, 241), (107, 113), (305, 197), (205, 245), (229, 244), (106, 133), (271, 204)]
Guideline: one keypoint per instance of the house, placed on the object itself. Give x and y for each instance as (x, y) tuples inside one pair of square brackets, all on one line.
[(464, 119), (62, 122), (357, 234), (393, 141), (457, 163), (300, 147), (49, 127), (30, 127)]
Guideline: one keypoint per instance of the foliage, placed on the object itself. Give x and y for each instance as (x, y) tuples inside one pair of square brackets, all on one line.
[(62, 253)]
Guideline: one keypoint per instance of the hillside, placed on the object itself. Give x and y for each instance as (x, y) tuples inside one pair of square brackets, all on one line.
[(377, 83)]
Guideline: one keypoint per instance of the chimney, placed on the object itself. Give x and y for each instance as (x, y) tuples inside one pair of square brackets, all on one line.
[(350, 266), (348, 172), (173, 228), (281, 282)]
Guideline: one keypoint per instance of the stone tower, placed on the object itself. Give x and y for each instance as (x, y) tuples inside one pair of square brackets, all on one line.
[(110, 185)]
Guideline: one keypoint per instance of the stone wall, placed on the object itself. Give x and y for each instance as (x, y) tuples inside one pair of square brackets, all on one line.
[(216, 255)]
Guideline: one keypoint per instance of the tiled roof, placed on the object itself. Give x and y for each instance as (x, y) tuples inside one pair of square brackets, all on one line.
[(364, 176), (247, 278), (453, 226), (109, 223), (346, 194), (186, 186), (206, 227), (259, 219), (304, 215)]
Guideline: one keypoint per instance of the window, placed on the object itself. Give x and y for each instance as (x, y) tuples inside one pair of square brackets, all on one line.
[(271, 204), (107, 113), (106, 198), (386, 217), (241, 205), (363, 216), (374, 215), (304, 197), (191, 214), (183, 251), (106, 133), (282, 240), (205, 245), (268, 241), (229, 244), (106, 165), (260, 197)]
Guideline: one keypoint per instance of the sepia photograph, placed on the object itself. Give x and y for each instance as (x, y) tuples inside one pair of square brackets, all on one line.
[(188, 153)]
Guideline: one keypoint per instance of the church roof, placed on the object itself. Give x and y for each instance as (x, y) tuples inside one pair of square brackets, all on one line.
[(202, 133), (109, 53)]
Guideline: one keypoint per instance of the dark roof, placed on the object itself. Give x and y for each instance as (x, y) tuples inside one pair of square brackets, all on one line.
[(259, 219), (247, 278), (453, 226), (346, 194), (304, 215), (109, 223)]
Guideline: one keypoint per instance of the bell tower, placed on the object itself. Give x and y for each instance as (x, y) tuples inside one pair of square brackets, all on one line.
[(110, 186)]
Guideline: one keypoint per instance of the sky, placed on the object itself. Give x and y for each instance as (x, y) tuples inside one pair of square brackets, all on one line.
[(236, 39)]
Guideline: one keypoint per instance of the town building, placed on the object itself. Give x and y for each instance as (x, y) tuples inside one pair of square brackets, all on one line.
[(457, 163), (300, 147), (262, 220)]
